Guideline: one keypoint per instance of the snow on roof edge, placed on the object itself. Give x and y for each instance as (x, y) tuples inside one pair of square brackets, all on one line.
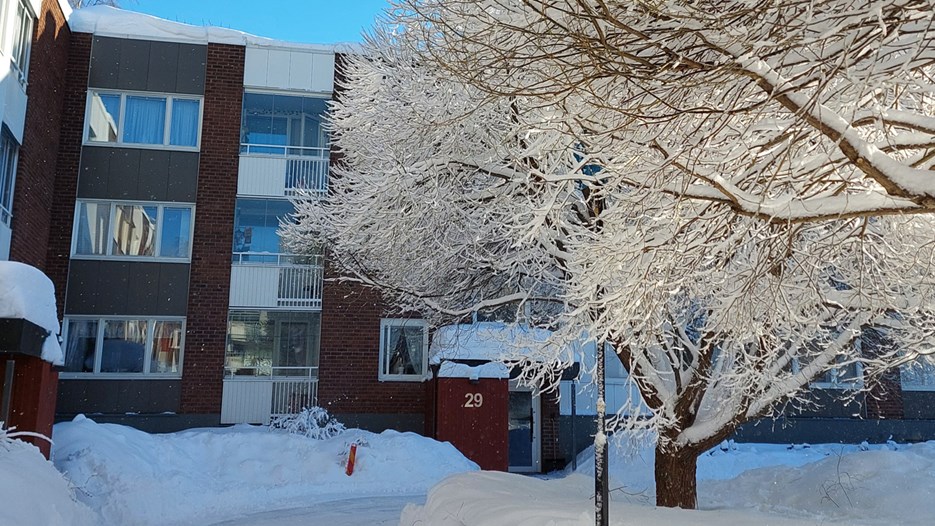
[(105, 21)]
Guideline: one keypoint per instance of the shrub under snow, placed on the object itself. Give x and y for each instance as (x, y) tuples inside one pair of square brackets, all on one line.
[(311, 422)]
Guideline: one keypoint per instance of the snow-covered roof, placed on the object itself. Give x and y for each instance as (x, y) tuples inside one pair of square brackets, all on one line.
[(488, 341), (26, 293), (487, 370), (109, 21)]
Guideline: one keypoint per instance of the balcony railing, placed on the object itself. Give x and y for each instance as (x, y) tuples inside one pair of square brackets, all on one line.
[(282, 171), (270, 281), (252, 395)]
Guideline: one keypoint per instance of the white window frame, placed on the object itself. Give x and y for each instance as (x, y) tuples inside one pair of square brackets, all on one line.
[(147, 353), (387, 323), (23, 33), (9, 157), (157, 247), (167, 127)]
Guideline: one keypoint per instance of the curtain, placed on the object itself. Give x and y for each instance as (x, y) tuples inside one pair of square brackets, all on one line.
[(184, 130), (145, 120)]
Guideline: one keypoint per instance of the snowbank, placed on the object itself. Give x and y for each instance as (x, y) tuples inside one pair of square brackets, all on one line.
[(25, 292), (205, 475), (503, 499), (34, 492)]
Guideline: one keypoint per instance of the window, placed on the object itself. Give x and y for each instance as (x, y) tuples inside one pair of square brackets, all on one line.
[(272, 343), (19, 41), (124, 346), (131, 119), (283, 125), (918, 375), (132, 230), (403, 349), (8, 153)]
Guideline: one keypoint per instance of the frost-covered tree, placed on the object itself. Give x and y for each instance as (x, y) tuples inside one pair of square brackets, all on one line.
[(727, 194), (77, 4)]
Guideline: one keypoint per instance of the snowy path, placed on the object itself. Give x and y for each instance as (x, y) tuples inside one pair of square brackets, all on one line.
[(352, 512)]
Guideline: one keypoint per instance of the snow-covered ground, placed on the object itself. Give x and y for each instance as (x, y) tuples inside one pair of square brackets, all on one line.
[(205, 476), (243, 475), (739, 484)]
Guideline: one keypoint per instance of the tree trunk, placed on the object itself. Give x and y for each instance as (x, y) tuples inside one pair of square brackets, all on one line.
[(676, 483)]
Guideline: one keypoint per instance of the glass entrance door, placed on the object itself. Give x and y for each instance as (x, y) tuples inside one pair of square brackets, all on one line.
[(524, 431)]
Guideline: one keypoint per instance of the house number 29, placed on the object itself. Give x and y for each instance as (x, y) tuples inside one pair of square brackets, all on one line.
[(473, 400)]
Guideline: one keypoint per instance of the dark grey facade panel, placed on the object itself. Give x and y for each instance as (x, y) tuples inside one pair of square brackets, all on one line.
[(118, 396), (918, 404), (163, 56), (151, 422), (377, 422), (133, 72), (190, 77), (126, 288), (138, 174), (144, 65)]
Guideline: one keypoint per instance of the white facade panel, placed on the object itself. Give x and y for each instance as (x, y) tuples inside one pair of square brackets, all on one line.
[(323, 73), (277, 72), (289, 69), (262, 176), (246, 400), (254, 71), (254, 286), (300, 70)]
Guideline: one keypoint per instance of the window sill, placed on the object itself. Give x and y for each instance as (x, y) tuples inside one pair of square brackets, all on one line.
[(854, 386), (141, 146), (402, 378), (117, 376), (132, 259)]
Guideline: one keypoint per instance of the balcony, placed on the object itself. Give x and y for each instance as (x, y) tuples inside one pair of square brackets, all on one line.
[(253, 395), (268, 170), (276, 281)]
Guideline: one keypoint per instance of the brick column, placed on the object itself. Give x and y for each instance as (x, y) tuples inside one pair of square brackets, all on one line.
[(35, 174), (209, 285), (66, 167)]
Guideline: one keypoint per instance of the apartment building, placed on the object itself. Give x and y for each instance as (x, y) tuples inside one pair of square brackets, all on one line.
[(146, 166)]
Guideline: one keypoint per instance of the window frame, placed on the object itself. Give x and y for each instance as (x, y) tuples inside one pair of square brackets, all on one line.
[(387, 323), (147, 352), (167, 124), (9, 157), (157, 246), (20, 35), (855, 384), (324, 137)]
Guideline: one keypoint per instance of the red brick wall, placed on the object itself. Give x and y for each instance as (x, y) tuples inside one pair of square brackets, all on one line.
[(32, 199), (32, 407), (552, 457), (66, 168), (209, 285), (349, 361)]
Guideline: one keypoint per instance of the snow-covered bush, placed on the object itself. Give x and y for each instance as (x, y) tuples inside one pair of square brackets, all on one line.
[(311, 422)]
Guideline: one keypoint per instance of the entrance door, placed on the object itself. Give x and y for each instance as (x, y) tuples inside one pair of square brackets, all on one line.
[(524, 432)]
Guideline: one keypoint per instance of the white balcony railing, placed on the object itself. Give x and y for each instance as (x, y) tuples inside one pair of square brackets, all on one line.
[(282, 171), (276, 281), (253, 395)]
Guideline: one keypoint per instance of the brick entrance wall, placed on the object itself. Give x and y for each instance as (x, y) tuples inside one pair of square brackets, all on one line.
[(209, 286)]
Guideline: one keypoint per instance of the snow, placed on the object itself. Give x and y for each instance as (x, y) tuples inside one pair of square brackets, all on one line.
[(489, 341), (110, 21), (739, 484), (210, 475), (27, 293), (34, 492), (487, 370), (249, 475)]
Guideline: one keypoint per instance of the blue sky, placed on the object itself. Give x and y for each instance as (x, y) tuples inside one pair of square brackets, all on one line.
[(310, 21)]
